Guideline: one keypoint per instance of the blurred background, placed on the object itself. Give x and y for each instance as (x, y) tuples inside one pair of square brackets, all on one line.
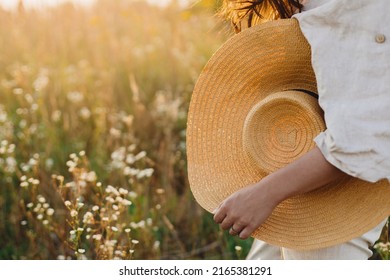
[(93, 102)]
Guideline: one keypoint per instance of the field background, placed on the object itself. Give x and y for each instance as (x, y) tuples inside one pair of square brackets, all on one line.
[(93, 105)]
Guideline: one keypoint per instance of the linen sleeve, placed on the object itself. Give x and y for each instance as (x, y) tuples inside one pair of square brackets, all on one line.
[(350, 42)]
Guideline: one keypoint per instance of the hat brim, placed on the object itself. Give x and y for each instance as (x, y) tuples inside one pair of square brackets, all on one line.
[(262, 60)]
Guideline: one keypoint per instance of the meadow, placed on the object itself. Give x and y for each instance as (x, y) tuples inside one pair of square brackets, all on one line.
[(93, 105)]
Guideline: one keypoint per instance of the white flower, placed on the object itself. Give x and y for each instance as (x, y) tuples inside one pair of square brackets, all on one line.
[(114, 229), (134, 241), (67, 203), (75, 96), (73, 213), (88, 218), (50, 212), (95, 208), (85, 113), (97, 236), (81, 251), (156, 245), (140, 155)]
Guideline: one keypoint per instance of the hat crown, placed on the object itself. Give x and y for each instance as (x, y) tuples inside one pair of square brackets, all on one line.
[(280, 128)]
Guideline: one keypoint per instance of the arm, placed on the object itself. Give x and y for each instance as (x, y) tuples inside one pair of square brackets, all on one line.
[(246, 209)]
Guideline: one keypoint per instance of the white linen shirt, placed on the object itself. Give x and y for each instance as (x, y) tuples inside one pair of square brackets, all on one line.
[(350, 42)]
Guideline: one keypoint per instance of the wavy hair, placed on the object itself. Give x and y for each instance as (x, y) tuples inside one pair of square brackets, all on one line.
[(246, 13)]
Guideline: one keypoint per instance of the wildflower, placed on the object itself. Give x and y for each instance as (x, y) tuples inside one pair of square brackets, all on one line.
[(134, 241), (127, 230), (73, 213), (160, 191), (126, 202), (95, 208), (81, 251), (45, 222), (97, 237), (17, 91), (130, 159), (116, 133), (141, 224), (24, 184), (88, 218), (238, 248), (30, 205), (67, 203), (114, 229), (50, 212), (131, 251), (60, 257), (156, 245), (41, 82), (123, 191), (40, 217), (131, 147), (41, 199), (85, 113), (75, 97), (133, 194), (23, 223), (140, 155)]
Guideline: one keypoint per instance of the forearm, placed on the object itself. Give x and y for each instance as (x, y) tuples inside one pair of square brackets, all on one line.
[(307, 173)]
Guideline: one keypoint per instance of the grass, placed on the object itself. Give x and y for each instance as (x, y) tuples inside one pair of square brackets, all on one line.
[(92, 128)]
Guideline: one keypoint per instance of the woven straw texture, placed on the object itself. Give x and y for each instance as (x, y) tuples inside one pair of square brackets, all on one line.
[(247, 118)]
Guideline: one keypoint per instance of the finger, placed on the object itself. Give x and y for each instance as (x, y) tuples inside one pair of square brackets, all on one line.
[(219, 215), (236, 229), (233, 231), (227, 223), (246, 232)]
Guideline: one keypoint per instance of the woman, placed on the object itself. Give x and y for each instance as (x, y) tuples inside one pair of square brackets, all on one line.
[(239, 213)]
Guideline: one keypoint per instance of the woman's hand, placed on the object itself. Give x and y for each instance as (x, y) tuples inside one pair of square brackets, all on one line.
[(245, 210)]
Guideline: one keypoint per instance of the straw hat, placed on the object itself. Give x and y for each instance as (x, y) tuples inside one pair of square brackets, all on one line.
[(254, 110)]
